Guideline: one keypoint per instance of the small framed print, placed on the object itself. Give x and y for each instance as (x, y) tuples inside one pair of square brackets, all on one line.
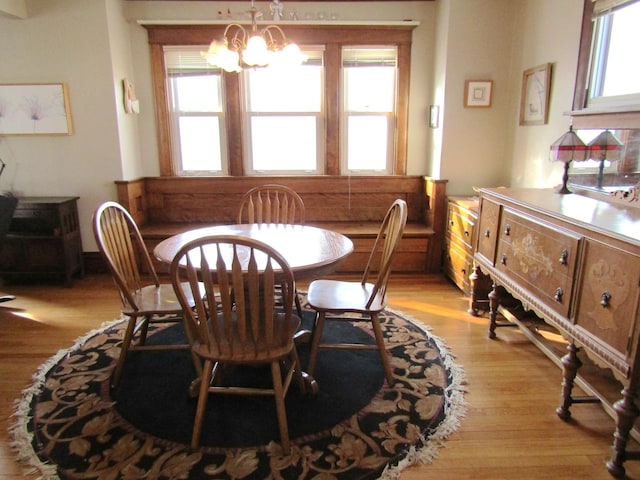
[(534, 100), (477, 93)]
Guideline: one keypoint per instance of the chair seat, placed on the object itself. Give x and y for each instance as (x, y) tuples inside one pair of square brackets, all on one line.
[(340, 296), (158, 300), (262, 354)]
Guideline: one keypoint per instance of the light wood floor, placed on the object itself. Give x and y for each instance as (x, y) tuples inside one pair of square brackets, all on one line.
[(510, 430)]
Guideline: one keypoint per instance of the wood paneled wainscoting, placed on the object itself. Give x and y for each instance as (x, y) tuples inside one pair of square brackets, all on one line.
[(353, 206)]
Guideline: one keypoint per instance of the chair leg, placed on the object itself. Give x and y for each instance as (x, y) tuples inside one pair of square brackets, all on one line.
[(197, 362), (382, 349), (202, 403), (298, 306), (144, 329), (295, 359), (280, 408), (126, 343), (316, 335)]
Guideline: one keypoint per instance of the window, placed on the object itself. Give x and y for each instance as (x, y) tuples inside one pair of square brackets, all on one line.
[(369, 79), (614, 75), (197, 122), (344, 112), (606, 91), (283, 118)]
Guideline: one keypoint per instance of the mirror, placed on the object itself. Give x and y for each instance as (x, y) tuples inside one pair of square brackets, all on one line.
[(621, 173)]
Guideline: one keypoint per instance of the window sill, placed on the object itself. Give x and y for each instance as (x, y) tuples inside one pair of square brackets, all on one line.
[(600, 118)]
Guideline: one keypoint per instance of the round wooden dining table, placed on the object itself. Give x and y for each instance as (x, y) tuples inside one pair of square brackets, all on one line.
[(310, 251)]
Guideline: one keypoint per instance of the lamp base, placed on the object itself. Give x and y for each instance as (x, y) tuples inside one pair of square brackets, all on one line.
[(565, 178)]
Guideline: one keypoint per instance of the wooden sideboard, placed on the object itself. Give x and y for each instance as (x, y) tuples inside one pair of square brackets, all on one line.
[(575, 262)]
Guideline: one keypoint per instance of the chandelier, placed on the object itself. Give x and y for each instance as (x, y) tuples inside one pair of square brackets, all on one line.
[(257, 48)]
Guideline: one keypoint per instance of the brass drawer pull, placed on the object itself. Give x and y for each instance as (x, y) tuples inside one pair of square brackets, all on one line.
[(503, 260), (466, 233), (487, 233), (507, 229), (605, 299), (558, 295), (563, 256)]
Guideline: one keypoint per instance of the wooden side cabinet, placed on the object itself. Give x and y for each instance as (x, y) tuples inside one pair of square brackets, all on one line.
[(43, 240), (462, 214), (459, 266)]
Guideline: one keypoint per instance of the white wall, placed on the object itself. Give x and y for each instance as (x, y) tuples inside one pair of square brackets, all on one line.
[(548, 31), (478, 47), (122, 67), (93, 44), (64, 41)]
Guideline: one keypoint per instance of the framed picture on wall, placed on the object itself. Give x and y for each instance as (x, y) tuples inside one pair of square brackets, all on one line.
[(34, 109), (477, 93), (534, 100)]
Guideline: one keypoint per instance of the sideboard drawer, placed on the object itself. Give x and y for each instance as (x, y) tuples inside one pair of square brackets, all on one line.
[(543, 257), (458, 266), (488, 230), (460, 225), (607, 307)]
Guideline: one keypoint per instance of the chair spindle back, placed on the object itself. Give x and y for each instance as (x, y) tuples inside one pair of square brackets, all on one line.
[(388, 238), (272, 203), (237, 319), (123, 249)]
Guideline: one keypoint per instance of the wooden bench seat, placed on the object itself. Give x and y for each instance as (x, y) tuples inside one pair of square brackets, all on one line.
[(165, 206)]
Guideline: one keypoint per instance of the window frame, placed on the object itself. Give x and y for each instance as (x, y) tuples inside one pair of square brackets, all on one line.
[(583, 117), (333, 38)]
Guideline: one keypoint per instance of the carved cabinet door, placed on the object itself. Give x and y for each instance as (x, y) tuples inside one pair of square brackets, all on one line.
[(607, 306), (487, 235)]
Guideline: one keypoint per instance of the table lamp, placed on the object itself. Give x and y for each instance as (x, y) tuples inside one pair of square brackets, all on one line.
[(566, 149), (605, 146)]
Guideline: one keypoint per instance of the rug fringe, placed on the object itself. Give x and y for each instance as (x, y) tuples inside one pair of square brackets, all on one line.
[(455, 409), (20, 439)]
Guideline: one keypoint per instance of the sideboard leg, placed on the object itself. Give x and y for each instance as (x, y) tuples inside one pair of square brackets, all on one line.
[(571, 364), (494, 302), (627, 414), (473, 294)]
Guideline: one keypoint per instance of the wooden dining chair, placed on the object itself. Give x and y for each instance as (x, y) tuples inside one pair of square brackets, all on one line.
[(236, 321), (144, 298), (273, 203), (331, 299)]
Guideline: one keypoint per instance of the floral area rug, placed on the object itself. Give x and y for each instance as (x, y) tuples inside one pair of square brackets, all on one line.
[(70, 424)]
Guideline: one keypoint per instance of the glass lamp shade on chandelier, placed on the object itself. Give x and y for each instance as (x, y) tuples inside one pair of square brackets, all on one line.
[(267, 46), (568, 148)]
